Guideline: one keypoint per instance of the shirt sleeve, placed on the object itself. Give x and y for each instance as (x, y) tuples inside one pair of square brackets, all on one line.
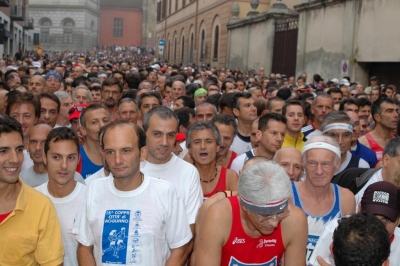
[(178, 231), (50, 249), (322, 248), (85, 235), (363, 164), (238, 163), (196, 198)]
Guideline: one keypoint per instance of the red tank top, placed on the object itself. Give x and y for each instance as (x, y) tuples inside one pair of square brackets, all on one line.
[(221, 185), (233, 156), (4, 216), (375, 146), (240, 249)]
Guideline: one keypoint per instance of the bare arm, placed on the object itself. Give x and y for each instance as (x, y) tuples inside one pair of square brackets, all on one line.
[(178, 256), (210, 239), (363, 140), (85, 255), (348, 202), (295, 235)]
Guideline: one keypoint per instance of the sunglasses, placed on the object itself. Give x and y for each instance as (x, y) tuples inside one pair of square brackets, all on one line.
[(78, 108)]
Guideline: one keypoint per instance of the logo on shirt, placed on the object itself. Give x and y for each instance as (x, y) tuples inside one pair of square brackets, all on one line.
[(238, 241), (381, 197), (263, 243)]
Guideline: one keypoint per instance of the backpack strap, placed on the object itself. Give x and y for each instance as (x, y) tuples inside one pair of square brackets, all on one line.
[(361, 180), (249, 154)]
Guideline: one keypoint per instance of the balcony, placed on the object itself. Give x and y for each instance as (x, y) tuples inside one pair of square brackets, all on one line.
[(17, 13), (28, 24), (4, 3)]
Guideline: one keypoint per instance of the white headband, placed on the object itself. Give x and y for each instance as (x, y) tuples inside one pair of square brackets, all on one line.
[(321, 145), (337, 126)]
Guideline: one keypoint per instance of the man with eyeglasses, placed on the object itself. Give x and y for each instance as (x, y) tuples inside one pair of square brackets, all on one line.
[(258, 227), (339, 126), (316, 196)]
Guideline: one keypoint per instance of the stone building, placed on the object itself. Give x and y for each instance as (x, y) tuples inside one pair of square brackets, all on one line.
[(363, 33), (65, 25), (15, 26)]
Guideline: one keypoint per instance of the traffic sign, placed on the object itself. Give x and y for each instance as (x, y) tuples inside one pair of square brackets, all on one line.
[(161, 47), (344, 69)]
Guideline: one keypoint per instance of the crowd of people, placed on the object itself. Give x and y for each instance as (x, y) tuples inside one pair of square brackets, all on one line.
[(117, 159)]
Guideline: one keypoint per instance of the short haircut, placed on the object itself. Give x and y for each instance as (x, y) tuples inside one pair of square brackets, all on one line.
[(190, 89), (82, 87), (214, 99), (292, 103), (261, 106), (160, 111), (392, 148), (126, 100), (264, 182), (337, 117), (59, 134), (335, 90), (133, 80), (322, 95), (52, 97), (183, 115), (9, 124), (111, 82), (187, 101), (264, 120), (207, 104), (363, 102), (61, 95), (225, 100), (82, 118), (273, 99), (149, 94), (119, 72), (347, 101), (202, 125), (139, 132), (23, 98), (225, 120), (237, 96), (223, 86), (377, 106), (168, 79), (360, 239), (82, 80)]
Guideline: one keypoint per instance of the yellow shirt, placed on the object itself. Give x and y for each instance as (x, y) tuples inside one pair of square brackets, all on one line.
[(31, 234), (298, 143)]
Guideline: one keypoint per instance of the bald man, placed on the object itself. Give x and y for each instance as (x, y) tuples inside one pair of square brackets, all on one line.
[(36, 84), (290, 159), (37, 174), (78, 71), (178, 89)]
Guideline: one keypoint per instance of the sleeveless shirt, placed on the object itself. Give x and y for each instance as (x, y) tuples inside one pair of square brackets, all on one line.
[(241, 249), (316, 224), (374, 146), (221, 185)]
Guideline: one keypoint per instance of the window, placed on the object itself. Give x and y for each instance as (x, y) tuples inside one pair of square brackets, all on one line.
[(46, 23), (191, 47), (44, 35), (183, 48), (169, 7), (203, 45), (164, 9), (169, 48), (68, 29), (158, 11), (176, 5), (216, 43), (183, 3), (118, 25), (175, 49), (67, 35), (36, 39)]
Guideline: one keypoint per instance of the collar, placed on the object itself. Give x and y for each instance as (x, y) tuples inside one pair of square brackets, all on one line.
[(312, 124), (22, 200), (290, 138)]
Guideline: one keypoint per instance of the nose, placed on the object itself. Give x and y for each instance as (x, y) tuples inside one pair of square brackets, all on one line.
[(64, 163), (13, 158), (118, 158), (273, 222), (318, 169), (290, 170), (38, 146)]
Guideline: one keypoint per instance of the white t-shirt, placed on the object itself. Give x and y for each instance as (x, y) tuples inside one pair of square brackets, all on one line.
[(238, 162), (322, 247), (97, 175), (68, 210), (361, 163), (184, 177), (375, 178), (137, 227), (27, 161), (315, 133), (184, 150), (33, 179), (241, 144)]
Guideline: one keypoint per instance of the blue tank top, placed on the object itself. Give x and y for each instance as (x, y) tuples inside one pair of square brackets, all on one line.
[(88, 167), (316, 224)]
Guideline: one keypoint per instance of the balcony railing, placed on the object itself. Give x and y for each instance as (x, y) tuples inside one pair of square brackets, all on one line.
[(4, 3), (17, 12), (28, 24)]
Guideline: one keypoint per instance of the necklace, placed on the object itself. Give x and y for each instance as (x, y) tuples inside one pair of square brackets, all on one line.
[(222, 158), (212, 179)]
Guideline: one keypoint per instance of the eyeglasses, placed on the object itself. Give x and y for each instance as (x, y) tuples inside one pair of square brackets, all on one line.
[(78, 108), (336, 136), (269, 218)]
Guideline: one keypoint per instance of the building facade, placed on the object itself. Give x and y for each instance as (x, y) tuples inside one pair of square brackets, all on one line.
[(121, 22), (364, 35), (65, 25), (195, 31), (15, 26)]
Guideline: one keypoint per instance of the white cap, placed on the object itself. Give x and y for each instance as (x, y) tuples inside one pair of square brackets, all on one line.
[(335, 80), (37, 64), (344, 82)]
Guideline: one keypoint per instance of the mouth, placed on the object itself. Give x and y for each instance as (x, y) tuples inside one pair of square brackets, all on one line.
[(203, 154), (11, 170)]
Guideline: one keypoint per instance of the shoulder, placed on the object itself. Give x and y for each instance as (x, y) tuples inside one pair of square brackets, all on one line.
[(347, 201), (231, 173), (295, 224), (363, 164), (363, 140)]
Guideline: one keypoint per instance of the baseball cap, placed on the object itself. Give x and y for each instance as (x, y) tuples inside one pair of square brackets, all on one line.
[(344, 82), (382, 198), (53, 74), (180, 137), (335, 80), (76, 110), (373, 78), (37, 64)]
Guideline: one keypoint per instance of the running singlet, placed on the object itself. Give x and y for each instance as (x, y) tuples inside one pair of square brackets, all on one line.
[(233, 156), (241, 249), (374, 146), (88, 167), (316, 224), (221, 185)]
